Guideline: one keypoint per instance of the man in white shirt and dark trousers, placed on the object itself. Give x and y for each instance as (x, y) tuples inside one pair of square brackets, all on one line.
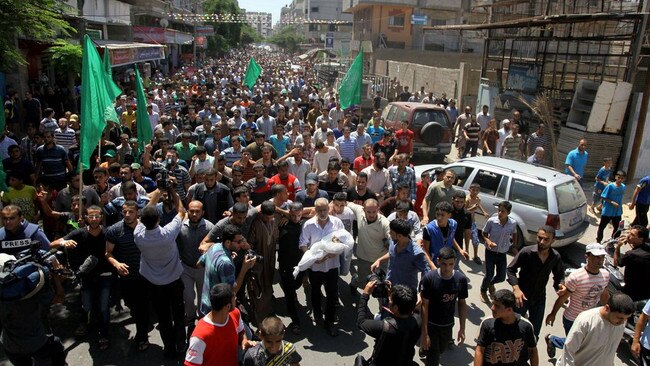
[(161, 266), (324, 272)]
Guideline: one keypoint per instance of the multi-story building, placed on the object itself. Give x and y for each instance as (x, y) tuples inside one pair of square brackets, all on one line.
[(402, 24), (261, 22), (319, 20)]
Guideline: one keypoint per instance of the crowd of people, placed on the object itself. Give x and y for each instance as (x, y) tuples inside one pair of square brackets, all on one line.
[(239, 183)]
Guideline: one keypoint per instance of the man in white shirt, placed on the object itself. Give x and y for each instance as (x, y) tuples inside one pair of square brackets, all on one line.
[(336, 113), (324, 272), (483, 118), (503, 133), (154, 117), (323, 155)]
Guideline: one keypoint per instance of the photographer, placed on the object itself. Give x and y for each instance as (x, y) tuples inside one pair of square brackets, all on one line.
[(397, 334), (24, 338), (161, 266)]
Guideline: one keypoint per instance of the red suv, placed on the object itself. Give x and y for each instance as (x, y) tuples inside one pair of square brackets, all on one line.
[(430, 125)]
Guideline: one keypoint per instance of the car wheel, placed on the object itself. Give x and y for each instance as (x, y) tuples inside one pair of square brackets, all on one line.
[(431, 133)]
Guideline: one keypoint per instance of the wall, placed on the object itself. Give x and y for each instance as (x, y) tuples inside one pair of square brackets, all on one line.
[(459, 83), (449, 60)]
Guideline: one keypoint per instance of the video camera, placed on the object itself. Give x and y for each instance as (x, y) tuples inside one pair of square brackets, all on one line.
[(381, 286), (164, 182)]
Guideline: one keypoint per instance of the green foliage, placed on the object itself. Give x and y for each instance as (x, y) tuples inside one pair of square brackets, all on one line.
[(287, 38), (66, 57), (249, 35), (226, 35), (34, 19)]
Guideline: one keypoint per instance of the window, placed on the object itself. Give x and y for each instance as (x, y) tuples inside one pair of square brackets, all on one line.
[(462, 173), (529, 194), (403, 115), (314, 9), (569, 196), (331, 27), (501, 192), (397, 20), (424, 116), (313, 27), (391, 113), (488, 181)]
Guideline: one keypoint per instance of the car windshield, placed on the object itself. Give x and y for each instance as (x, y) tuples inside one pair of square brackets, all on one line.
[(423, 116), (569, 196)]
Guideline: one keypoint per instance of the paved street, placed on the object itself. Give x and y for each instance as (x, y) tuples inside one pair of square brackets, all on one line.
[(315, 346)]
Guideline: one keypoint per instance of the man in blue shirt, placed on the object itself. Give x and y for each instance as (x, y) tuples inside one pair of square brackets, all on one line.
[(499, 233), (440, 233), (612, 205), (641, 201), (405, 258), (576, 161)]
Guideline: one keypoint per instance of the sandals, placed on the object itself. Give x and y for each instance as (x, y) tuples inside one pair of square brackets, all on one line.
[(143, 346), (104, 343)]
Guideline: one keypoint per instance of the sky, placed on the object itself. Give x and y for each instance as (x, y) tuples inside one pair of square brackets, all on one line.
[(265, 6)]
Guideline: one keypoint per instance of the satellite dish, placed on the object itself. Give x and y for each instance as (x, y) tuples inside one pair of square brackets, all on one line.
[(164, 23), (322, 37)]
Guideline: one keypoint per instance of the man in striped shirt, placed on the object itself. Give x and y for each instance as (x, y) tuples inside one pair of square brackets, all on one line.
[(64, 136), (471, 133), (584, 288), (348, 145)]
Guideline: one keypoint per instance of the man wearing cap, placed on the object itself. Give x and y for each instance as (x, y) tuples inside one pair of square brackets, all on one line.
[(311, 193), (585, 288), (535, 264), (147, 183)]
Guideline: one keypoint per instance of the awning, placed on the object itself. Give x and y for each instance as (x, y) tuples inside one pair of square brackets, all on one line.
[(157, 35), (124, 53)]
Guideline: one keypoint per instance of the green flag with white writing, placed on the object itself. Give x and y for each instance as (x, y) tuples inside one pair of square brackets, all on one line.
[(253, 71), (350, 88)]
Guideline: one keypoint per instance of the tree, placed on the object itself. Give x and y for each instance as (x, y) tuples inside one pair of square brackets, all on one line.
[(41, 20), (228, 35), (287, 38), (66, 59)]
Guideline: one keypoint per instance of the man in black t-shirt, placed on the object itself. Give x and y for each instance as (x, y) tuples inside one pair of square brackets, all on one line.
[(360, 193), (440, 290), (288, 257), (506, 339), (464, 219)]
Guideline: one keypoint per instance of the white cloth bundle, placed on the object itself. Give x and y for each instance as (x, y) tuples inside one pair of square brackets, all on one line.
[(338, 242)]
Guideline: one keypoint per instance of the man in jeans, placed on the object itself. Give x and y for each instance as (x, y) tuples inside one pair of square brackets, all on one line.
[(161, 266), (534, 264), (499, 233)]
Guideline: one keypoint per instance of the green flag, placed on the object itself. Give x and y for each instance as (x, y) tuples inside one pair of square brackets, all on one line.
[(253, 71), (350, 88), (113, 90), (96, 101), (141, 117)]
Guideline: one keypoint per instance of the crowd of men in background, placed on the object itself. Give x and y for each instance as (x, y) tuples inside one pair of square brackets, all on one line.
[(238, 184)]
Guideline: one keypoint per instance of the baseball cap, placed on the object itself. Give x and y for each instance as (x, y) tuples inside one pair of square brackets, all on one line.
[(312, 178), (136, 166), (595, 249), (110, 153)]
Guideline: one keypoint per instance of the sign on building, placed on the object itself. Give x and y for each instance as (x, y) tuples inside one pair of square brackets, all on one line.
[(329, 40)]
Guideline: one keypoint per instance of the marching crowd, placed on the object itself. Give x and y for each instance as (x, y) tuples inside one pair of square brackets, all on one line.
[(239, 183)]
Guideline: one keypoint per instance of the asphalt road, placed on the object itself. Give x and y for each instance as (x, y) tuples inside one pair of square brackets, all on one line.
[(315, 346)]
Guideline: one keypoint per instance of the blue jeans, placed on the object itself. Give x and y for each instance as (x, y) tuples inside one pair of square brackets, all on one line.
[(95, 294), (558, 342), (494, 259), (535, 310)]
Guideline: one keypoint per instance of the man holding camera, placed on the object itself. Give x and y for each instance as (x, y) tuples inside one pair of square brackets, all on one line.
[(397, 334), (161, 266), (440, 290)]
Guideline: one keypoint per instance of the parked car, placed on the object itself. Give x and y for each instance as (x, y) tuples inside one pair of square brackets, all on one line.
[(539, 195), (430, 124)]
